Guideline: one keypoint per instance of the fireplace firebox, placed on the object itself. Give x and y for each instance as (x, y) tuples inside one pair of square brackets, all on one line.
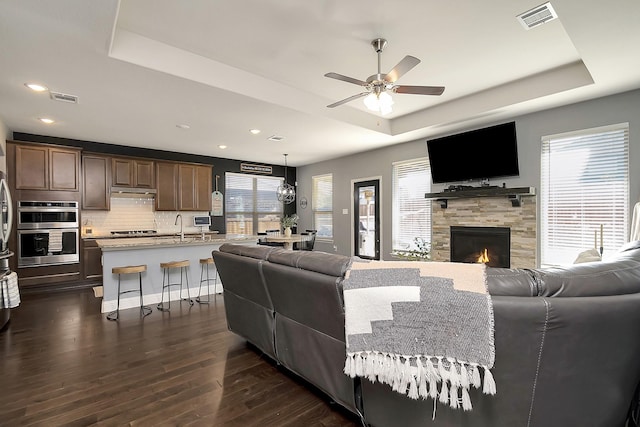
[(491, 245)]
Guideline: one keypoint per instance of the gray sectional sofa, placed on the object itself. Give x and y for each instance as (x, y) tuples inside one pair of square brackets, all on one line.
[(567, 339)]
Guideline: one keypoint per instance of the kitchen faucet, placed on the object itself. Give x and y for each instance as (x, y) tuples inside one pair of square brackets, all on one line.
[(181, 229)]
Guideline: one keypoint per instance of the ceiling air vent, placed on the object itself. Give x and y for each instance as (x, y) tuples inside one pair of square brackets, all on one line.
[(275, 138), (63, 97), (537, 16)]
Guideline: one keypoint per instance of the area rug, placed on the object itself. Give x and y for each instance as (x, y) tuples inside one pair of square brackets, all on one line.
[(424, 328)]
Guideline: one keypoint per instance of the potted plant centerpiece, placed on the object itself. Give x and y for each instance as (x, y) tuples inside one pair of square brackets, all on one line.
[(287, 222)]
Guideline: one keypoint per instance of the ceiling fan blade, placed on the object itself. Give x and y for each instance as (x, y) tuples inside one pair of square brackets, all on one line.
[(407, 63), (345, 79), (351, 98), (419, 90)]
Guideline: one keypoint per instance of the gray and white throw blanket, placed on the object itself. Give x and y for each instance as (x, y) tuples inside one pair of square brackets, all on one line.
[(424, 328)]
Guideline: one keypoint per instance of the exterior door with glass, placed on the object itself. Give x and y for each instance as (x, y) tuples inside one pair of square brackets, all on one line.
[(366, 210)]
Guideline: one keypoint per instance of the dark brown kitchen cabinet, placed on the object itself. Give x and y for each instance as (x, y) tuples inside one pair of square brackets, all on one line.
[(183, 187), (136, 173), (187, 187), (203, 189), (194, 187), (91, 260), (167, 190), (96, 178), (40, 167)]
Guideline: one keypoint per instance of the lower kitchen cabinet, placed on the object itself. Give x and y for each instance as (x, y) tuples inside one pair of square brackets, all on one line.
[(91, 260)]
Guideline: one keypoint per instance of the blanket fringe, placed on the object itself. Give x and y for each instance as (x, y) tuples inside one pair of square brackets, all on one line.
[(443, 378)]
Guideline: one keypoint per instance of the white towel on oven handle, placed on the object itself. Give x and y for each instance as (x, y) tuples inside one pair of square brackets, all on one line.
[(9, 292), (55, 241)]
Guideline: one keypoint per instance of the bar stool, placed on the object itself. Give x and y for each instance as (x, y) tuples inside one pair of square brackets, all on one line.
[(130, 269), (166, 281), (204, 269)]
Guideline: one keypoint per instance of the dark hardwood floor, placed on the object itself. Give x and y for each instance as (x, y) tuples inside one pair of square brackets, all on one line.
[(63, 363)]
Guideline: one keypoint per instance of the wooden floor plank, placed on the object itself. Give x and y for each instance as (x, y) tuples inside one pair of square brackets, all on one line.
[(63, 363)]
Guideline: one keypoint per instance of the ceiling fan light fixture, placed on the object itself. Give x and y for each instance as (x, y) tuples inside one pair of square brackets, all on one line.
[(380, 102)]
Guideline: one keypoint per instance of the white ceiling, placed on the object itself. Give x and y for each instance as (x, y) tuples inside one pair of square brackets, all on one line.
[(141, 67)]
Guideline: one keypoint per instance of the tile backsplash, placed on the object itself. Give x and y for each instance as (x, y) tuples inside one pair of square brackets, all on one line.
[(136, 213)]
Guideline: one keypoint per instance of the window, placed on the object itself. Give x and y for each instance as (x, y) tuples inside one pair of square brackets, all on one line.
[(584, 186), (322, 205), (251, 203), (411, 211)]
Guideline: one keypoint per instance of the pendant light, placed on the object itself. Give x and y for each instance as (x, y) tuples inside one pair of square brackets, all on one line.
[(286, 192)]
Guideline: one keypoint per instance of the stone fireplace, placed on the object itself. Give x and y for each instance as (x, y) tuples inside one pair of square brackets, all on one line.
[(490, 245), (487, 212)]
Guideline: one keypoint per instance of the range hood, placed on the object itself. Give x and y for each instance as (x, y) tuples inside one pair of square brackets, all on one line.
[(133, 192)]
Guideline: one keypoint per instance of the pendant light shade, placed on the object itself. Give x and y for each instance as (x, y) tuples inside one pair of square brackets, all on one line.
[(286, 192)]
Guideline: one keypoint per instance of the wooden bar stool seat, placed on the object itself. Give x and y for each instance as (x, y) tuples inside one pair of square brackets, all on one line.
[(204, 278), (129, 269), (166, 282)]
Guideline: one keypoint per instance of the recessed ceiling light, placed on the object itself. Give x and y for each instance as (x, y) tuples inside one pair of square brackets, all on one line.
[(46, 120), (183, 126), (36, 87), (222, 147), (255, 131), (276, 138)]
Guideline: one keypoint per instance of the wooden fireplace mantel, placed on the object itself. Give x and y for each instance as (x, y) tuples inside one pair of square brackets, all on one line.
[(513, 194)]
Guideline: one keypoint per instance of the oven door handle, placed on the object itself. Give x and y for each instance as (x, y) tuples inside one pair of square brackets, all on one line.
[(5, 200)]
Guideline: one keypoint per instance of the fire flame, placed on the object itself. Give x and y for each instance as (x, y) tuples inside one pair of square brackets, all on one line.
[(484, 256)]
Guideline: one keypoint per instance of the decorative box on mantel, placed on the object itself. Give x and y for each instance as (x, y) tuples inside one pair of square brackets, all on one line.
[(487, 210)]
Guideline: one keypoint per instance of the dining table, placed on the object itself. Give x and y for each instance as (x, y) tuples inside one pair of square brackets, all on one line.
[(288, 241)]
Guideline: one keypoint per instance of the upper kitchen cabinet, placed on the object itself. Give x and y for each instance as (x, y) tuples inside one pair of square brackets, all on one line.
[(167, 183), (203, 187), (183, 187), (46, 168), (96, 178), (194, 183), (136, 173)]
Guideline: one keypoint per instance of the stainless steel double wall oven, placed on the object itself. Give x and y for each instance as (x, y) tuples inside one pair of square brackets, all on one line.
[(48, 233)]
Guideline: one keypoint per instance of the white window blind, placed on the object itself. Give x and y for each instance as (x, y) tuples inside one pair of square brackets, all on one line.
[(322, 205), (251, 203), (411, 211), (584, 185)]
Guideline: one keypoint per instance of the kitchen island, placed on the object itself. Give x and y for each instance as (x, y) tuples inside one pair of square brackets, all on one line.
[(152, 251)]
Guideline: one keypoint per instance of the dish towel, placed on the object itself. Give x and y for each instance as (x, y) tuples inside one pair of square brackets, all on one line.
[(9, 292), (55, 241), (424, 328), (635, 224)]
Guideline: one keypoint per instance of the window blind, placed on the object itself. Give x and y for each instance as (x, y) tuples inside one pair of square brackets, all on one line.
[(411, 211), (584, 186), (251, 203), (322, 205)]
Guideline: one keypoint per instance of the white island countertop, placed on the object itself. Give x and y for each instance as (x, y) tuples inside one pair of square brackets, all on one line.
[(128, 243)]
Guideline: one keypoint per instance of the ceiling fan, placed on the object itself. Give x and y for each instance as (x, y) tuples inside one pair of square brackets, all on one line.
[(377, 85)]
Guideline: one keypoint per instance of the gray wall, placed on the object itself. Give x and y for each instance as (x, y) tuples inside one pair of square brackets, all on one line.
[(620, 108)]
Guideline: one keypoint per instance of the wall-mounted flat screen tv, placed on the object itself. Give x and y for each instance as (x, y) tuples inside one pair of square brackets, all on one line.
[(479, 154)]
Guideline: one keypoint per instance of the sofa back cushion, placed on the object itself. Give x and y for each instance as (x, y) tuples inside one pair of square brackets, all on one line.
[(306, 287), (320, 262), (240, 270), (515, 282), (617, 275)]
